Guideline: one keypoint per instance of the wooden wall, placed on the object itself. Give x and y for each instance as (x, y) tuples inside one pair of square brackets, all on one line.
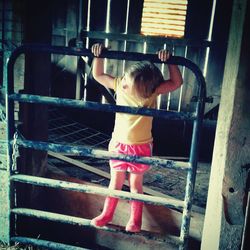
[(68, 22), (69, 17)]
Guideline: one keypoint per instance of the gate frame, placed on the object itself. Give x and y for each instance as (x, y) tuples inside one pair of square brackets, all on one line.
[(197, 118)]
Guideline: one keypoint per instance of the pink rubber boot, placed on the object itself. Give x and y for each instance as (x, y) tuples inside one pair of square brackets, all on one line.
[(107, 213), (135, 220)]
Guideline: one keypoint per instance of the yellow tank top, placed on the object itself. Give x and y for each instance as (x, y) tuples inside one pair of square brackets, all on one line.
[(132, 129)]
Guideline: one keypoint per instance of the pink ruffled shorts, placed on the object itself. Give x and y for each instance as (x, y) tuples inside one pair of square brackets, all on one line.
[(136, 149)]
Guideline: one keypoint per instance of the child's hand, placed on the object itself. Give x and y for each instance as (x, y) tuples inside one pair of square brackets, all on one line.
[(97, 49), (163, 55)]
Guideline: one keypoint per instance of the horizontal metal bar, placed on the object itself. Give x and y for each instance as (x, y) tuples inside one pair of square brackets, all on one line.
[(149, 39), (110, 54), (65, 102), (46, 182), (102, 154), (118, 55), (44, 243), (76, 221)]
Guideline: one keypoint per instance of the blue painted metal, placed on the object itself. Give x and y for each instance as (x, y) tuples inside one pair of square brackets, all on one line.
[(41, 181), (191, 176), (97, 153), (63, 102), (119, 55), (76, 221), (5, 160), (132, 56)]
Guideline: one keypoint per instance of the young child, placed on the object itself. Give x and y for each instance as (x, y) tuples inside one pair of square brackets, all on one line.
[(139, 87)]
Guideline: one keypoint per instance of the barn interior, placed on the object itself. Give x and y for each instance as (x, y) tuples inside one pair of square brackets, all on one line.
[(214, 35)]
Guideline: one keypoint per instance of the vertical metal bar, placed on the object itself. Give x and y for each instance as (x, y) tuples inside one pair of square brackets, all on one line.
[(144, 47), (6, 36), (159, 98), (107, 30), (126, 31), (169, 94), (78, 45), (79, 23), (5, 202), (87, 46), (210, 32), (88, 23), (191, 174), (246, 224), (183, 75)]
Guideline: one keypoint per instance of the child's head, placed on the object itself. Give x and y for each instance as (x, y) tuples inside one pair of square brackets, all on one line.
[(146, 77)]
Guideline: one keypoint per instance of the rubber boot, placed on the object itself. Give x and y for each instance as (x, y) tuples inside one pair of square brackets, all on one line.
[(135, 220), (107, 213)]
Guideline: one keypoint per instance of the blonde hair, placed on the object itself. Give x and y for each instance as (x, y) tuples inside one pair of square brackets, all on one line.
[(146, 78)]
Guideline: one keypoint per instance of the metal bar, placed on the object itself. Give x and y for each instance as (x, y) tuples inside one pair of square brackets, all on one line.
[(119, 55), (45, 182), (104, 174), (97, 153), (51, 216), (78, 44), (245, 232), (55, 101), (83, 222), (44, 243), (183, 76), (6, 189), (191, 176)]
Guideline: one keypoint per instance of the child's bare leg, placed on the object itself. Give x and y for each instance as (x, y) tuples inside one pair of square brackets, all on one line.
[(116, 183), (136, 186), (117, 179)]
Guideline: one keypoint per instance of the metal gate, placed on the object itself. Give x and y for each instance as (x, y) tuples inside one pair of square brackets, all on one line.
[(14, 141)]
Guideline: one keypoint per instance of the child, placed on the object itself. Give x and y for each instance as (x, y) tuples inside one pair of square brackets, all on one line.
[(139, 87)]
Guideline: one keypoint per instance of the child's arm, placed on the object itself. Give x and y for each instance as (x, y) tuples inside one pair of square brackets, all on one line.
[(175, 78), (98, 68)]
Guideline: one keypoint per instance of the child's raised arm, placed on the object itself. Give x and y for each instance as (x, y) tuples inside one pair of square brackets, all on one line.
[(98, 67), (175, 78)]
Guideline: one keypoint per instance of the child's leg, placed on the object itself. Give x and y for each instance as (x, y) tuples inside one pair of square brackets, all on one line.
[(136, 183), (136, 186), (116, 183), (117, 179)]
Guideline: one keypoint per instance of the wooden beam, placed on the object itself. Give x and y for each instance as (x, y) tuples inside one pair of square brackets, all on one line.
[(224, 219)]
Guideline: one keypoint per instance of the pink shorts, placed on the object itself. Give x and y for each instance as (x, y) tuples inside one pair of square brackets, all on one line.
[(136, 149)]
